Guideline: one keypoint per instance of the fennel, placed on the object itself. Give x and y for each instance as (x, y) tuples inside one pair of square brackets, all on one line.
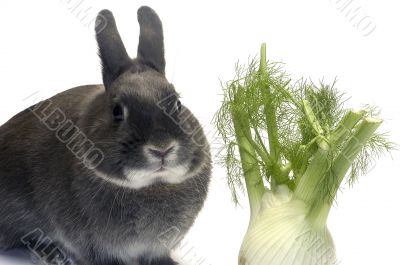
[(291, 144)]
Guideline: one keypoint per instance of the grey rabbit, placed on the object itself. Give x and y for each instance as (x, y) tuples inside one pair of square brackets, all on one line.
[(105, 174)]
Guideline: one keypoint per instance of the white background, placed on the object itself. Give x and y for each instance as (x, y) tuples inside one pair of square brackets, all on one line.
[(46, 46)]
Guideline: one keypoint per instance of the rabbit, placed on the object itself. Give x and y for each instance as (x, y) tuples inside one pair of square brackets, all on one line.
[(105, 174)]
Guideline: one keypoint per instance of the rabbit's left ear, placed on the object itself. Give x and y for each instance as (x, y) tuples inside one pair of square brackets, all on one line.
[(151, 39)]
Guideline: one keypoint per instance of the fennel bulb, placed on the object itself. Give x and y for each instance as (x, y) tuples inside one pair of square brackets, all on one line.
[(281, 234), (292, 144)]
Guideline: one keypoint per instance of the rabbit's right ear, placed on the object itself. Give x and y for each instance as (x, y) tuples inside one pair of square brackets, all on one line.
[(112, 52)]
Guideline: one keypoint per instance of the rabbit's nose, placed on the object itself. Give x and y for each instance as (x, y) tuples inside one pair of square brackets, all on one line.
[(160, 152)]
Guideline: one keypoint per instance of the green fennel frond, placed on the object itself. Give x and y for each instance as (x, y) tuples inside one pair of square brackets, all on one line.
[(284, 123), (376, 146)]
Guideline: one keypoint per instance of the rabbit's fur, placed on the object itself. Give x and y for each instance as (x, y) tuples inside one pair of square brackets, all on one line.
[(130, 191)]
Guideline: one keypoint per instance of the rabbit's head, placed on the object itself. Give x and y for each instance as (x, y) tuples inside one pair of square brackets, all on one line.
[(146, 134)]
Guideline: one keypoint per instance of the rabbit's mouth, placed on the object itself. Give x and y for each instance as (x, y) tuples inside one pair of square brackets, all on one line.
[(160, 168), (168, 164), (141, 178)]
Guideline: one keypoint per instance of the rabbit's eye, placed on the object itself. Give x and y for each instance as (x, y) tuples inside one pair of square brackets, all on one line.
[(178, 105), (118, 112)]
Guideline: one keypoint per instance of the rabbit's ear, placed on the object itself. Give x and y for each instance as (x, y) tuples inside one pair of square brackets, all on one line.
[(151, 39), (112, 51)]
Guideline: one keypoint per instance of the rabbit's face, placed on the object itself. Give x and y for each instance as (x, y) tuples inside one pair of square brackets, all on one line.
[(154, 137), (146, 135)]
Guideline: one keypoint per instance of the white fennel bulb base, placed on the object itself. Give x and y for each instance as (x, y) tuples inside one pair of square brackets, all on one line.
[(281, 234)]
